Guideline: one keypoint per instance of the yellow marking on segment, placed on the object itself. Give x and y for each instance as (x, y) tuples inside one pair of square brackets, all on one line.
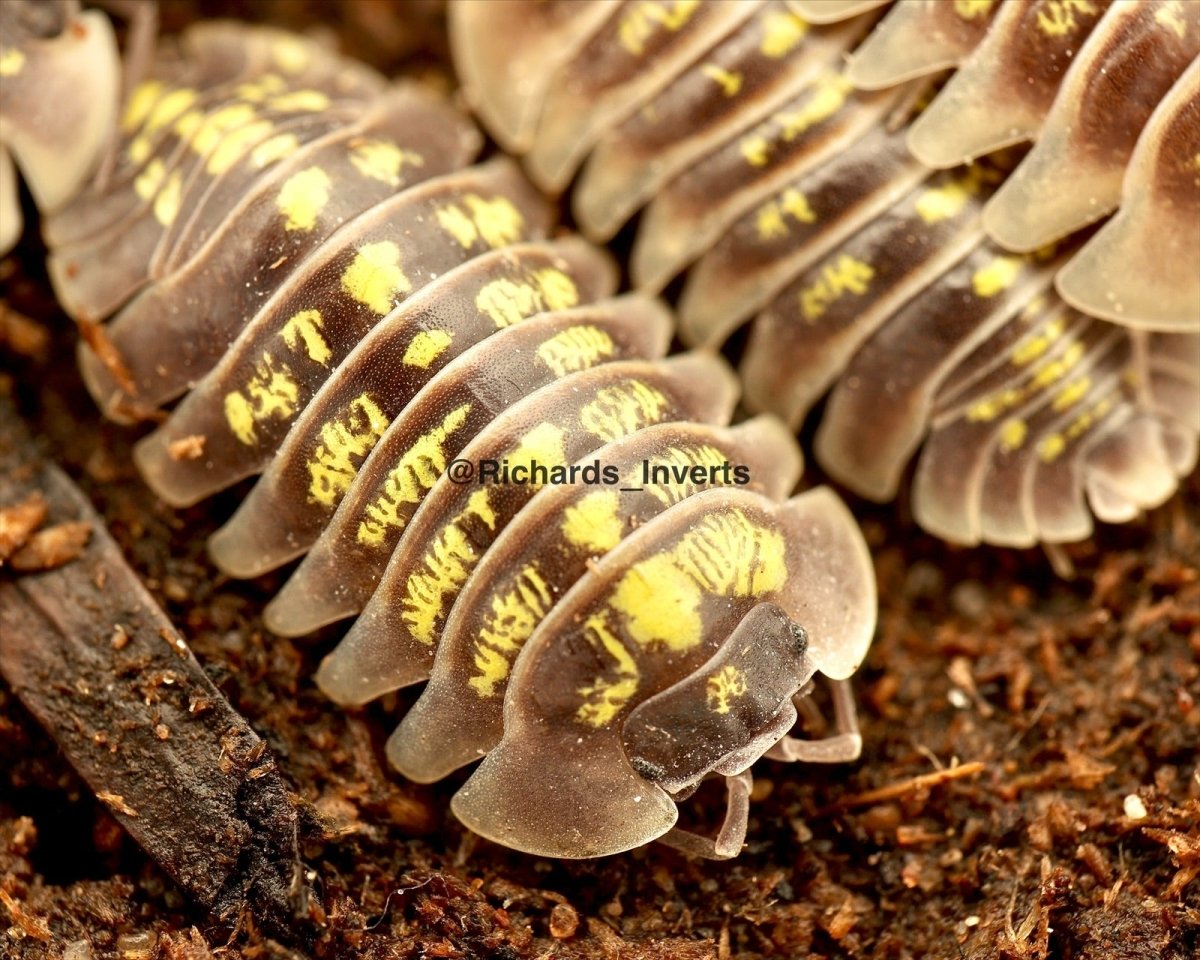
[(1012, 434), (970, 9), (723, 687), (166, 191), (681, 459), (1071, 394), (544, 444), (169, 108), (299, 101), (141, 100), (166, 204), (640, 22), (1053, 446), (510, 621), (829, 93), (729, 82), (621, 409), (277, 148), (846, 275), (235, 144), (594, 523), (12, 62), (725, 554), (374, 278), (497, 221), (291, 55), (426, 347), (444, 569), (147, 183), (996, 276), (1044, 375), (304, 328), (1170, 16), (782, 31), (1038, 343), (256, 91), (950, 198), (575, 349), (204, 133), (1057, 17), (271, 392), (508, 301), (382, 160), (345, 442), (407, 482), (603, 698), (139, 149), (302, 198), (769, 219)]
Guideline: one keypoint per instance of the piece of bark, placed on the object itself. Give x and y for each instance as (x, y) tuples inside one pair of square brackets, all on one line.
[(205, 800)]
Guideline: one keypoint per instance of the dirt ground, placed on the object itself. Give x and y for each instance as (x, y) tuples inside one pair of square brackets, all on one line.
[(1029, 786)]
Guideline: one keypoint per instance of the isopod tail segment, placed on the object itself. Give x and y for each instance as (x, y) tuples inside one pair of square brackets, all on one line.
[(677, 656), (58, 103)]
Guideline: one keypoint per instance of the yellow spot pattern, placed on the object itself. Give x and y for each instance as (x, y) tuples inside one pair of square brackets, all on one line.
[(345, 442), (1044, 375), (303, 329), (723, 687), (1012, 434), (682, 458), (770, 219), (642, 19), (382, 160), (726, 554), (782, 31), (619, 410), (510, 621), (508, 301), (829, 92), (574, 349), (1057, 17), (594, 523), (407, 482), (271, 392), (12, 62), (141, 100), (497, 222), (374, 277), (1052, 447), (426, 347), (1170, 16), (996, 276), (291, 55), (444, 569), (729, 82), (544, 444), (970, 9), (845, 275), (302, 198), (604, 698), (949, 199), (235, 144), (273, 150)]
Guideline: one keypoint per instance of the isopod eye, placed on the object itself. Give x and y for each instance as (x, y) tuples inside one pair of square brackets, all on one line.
[(726, 714)]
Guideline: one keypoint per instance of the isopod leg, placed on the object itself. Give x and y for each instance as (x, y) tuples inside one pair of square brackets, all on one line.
[(728, 842), (843, 746)]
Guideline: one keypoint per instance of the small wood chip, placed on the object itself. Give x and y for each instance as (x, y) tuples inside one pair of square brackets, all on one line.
[(187, 448), (117, 802), (51, 548), (18, 522)]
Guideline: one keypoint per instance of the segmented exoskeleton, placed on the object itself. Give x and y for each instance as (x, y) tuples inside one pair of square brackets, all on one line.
[(948, 297), (300, 256)]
